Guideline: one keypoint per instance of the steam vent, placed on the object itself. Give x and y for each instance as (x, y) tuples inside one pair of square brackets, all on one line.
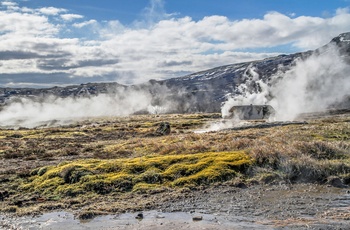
[(252, 112)]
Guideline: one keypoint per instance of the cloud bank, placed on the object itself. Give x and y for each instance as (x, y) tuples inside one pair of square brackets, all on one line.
[(56, 42)]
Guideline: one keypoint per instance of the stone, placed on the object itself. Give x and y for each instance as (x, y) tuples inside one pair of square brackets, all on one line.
[(197, 218), (139, 216), (3, 195), (163, 129), (159, 216), (336, 182)]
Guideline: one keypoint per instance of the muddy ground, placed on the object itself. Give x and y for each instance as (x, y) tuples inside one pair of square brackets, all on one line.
[(279, 206)]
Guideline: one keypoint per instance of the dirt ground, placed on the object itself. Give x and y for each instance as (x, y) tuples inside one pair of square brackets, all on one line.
[(279, 206)]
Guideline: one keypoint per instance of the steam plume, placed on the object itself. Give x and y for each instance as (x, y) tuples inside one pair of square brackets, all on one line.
[(311, 85), (30, 113)]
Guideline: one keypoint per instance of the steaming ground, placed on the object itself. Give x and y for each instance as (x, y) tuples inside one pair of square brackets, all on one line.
[(311, 85), (31, 113)]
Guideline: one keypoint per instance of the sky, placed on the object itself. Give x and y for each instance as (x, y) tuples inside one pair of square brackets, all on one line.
[(46, 43)]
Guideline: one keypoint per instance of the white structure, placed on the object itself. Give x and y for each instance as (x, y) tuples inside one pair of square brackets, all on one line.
[(251, 112)]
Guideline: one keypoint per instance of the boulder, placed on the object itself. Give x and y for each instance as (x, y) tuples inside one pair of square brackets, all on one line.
[(163, 129)]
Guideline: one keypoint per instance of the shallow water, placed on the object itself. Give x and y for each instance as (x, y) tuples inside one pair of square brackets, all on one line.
[(303, 206), (151, 220)]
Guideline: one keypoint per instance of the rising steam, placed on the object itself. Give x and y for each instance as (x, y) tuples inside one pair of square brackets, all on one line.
[(124, 101), (31, 113), (311, 85)]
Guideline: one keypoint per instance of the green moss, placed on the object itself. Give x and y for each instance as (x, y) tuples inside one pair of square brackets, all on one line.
[(147, 188), (206, 176), (123, 175), (151, 176), (68, 190)]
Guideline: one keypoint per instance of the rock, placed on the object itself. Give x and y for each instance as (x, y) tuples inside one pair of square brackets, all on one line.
[(139, 216), (159, 216), (241, 185), (197, 218), (88, 215), (16, 135), (336, 182), (163, 129), (3, 195)]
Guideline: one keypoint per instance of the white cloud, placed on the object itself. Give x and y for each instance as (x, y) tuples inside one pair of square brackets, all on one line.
[(14, 25), (111, 29), (83, 24), (163, 47), (155, 12), (10, 6), (340, 11), (71, 17), (51, 10), (9, 3)]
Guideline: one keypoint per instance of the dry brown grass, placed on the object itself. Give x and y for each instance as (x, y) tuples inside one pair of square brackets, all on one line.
[(309, 152)]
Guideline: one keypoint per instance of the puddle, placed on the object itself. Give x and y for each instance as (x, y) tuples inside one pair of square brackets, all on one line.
[(151, 220), (270, 207)]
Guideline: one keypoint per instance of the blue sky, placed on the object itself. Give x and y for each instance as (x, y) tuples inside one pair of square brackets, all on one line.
[(45, 42), (129, 11)]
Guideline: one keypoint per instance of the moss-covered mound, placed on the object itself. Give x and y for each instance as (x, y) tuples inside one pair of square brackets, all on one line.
[(122, 175)]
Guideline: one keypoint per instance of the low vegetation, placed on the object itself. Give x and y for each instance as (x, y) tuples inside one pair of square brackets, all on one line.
[(119, 160), (125, 175)]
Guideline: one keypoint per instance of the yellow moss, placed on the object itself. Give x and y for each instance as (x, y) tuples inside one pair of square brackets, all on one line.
[(69, 190), (148, 124), (145, 187), (112, 177), (105, 176), (207, 176), (109, 166), (46, 186)]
